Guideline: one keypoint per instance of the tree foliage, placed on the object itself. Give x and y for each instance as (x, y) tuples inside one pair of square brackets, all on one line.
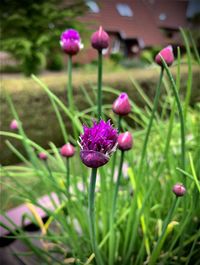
[(32, 28)]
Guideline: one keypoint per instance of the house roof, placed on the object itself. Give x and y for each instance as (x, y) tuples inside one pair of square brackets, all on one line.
[(144, 24)]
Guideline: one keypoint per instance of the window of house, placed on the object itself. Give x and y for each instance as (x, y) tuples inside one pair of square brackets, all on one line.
[(124, 10), (94, 8), (162, 16)]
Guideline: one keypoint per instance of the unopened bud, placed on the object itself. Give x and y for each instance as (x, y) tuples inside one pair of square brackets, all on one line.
[(125, 141), (100, 39), (121, 105), (167, 55), (67, 150), (179, 190)]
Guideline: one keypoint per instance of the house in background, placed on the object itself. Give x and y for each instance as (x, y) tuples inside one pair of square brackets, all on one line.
[(134, 25)]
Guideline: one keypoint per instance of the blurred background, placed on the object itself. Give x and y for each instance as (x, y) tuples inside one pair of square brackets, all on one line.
[(30, 31)]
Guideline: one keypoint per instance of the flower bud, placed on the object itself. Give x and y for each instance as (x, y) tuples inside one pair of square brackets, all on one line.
[(71, 42), (121, 105), (100, 39), (167, 55), (42, 156), (125, 141), (179, 190), (14, 125), (67, 150)]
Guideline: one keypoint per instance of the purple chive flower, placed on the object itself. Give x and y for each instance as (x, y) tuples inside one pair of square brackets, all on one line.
[(70, 41), (121, 105), (179, 190), (100, 39), (67, 150), (125, 141), (98, 143), (167, 54), (42, 156), (14, 125)]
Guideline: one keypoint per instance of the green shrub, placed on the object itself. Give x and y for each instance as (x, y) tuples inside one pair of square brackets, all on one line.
[(33, 63), (148, 55), (133, 63), (116, 57), (56, 62)]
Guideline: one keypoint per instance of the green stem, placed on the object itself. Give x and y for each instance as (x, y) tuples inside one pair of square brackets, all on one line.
[(161, 239), (189, 81), (69, 86), (115, 154), (119, 123), (91, 199), (50, 173), (155, 106), (68, 177), (117, 183), (99, 99), (112, 215), (181, 116)]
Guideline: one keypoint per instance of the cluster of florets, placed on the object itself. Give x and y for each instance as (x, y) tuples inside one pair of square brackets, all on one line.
[(98, 143), (70, 42)]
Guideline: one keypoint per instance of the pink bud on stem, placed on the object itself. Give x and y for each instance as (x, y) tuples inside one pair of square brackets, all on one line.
[(100, 39), (121, 105), (125, 141), (167, 55), (179, 190), (67, 150)]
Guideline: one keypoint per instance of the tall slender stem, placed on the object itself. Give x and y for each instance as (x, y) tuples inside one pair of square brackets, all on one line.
[(68, 177), (117, 183), (115, 154), (50, 173), (155, 106), (112, 215), (91, 199), (99, 100), (119, 123), (69, 86), (181, 116)]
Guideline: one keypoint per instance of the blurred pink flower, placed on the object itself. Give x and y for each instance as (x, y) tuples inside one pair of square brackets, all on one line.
[(121, 105), (167, 55), (100, 39), (14, 125), (67, 150), (125, 141)]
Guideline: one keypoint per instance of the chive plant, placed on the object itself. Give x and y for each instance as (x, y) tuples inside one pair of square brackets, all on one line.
[(133, 219)]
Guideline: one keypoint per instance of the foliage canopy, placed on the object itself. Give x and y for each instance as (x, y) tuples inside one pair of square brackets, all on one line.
[(31, 29)]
